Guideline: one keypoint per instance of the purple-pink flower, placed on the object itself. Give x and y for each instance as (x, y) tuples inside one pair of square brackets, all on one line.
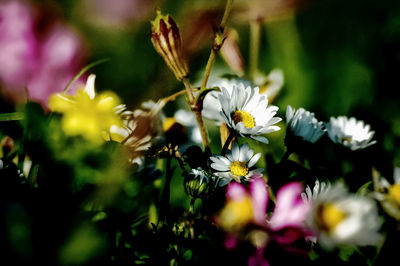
[(43, 61), (244, 217)]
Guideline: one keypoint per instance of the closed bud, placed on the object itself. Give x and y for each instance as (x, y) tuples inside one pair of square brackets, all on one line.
[(167, 41), (196, 183)]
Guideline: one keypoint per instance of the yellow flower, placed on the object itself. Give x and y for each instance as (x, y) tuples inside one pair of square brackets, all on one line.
[(86, 113)]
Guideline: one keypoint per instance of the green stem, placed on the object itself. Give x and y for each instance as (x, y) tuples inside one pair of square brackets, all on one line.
[(191, 207), (216, 48), (227, 142), (255, 29), (197, 111)]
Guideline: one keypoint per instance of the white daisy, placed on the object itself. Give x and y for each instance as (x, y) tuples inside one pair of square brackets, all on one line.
[(188, 119), (211, 104), (340, 218), (199, 174), (311, 195), (246, 112), (350, 132), (141, 129), (303, 124), (269, 87), (238, 164), (389, 194)]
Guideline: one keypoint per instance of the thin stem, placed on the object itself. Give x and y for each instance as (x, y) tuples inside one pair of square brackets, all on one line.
[(228, 8), (227, 142), (197, 111), (255, 29), (216, 48), (191, 207), (189, 90), (209, 66)]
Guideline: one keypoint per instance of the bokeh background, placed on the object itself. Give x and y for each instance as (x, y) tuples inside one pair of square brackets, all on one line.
[(338, 58)]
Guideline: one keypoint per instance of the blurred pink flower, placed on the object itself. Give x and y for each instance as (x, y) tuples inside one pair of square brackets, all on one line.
[(245, 217), (117, 13), (43, 62)]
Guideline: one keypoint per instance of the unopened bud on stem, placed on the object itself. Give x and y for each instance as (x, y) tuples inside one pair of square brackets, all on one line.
[(167, 41)]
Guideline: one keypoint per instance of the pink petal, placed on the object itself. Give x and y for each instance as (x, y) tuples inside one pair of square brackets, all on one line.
[(290, 210), (259, 200)]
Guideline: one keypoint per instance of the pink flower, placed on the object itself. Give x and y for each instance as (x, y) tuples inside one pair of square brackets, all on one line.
[(245, 217), (43, 62)]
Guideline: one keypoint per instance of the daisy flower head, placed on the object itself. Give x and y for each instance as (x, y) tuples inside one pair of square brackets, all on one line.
[(238, 164), (303, 124), (246, 112), (340, 218), (211, 105), (388, 194), (311, 194), (350, 132)]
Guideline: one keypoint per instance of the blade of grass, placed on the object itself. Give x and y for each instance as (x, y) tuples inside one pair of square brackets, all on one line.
[(86, 68), (11, 116)]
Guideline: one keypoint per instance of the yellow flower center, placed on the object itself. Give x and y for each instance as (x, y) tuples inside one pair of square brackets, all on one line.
[(394, 193), (346, 139), (329, 216), (239, 168), (236, 214), (245, 117)]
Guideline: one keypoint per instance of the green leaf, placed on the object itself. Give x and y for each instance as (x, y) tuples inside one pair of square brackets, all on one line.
[(11, 116)]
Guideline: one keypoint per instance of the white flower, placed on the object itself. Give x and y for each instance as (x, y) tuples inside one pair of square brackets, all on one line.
[(311, 195), (340, 218), (269, 87), (389, 194), (271, 84), (200, 174), (140, 130), (303, 124), (238, 164), (211, 105), (350, 132), (188, 119), (246, 112)]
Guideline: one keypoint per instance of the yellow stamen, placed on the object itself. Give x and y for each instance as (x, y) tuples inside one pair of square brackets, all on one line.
[(346, 140), (239, 168), (245, 117), (394, 193), (329, 216)]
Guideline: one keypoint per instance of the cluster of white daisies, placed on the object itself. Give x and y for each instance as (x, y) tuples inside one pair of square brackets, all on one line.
[(246, 113), (337, 217)]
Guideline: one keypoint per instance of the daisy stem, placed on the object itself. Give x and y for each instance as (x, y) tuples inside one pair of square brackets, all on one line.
[(255, 28), (191, 207), (227, 143), (217, 44)]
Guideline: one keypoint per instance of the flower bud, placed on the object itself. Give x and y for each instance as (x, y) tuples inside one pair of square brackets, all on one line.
[(167, 41), (196, 183)]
